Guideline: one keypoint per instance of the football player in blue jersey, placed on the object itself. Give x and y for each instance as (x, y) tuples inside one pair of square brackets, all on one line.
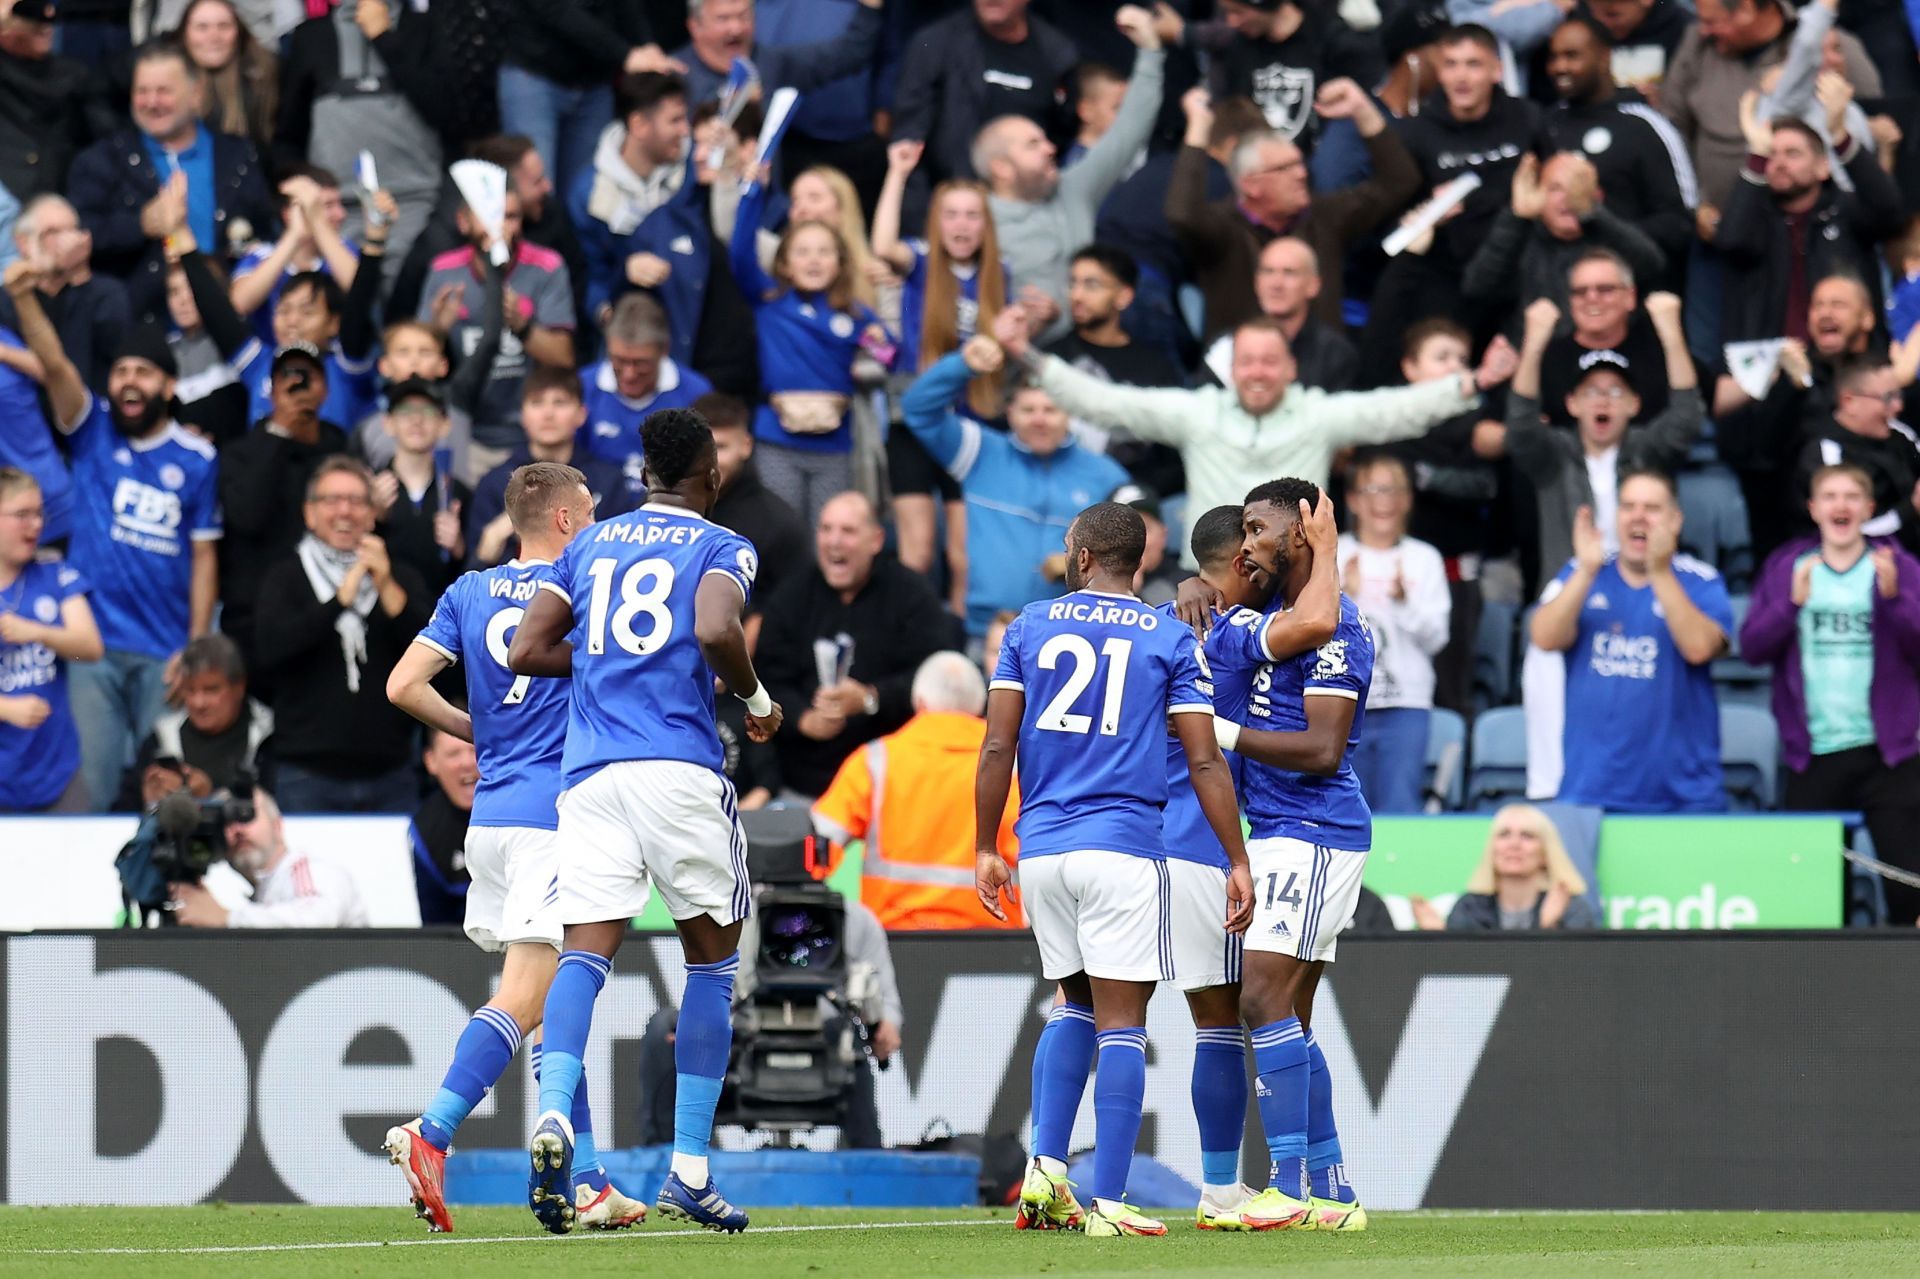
[(1082, 696), (1310, 833), (518, 725), (643, 611)]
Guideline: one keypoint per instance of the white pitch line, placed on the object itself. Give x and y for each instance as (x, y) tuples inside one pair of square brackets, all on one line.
[(449, 1241)]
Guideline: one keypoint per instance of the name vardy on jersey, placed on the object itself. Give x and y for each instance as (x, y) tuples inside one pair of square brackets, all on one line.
[(1103, 614), (506, 588)]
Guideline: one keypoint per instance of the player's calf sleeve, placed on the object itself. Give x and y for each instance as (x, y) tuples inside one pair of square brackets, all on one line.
[(1323, 1138), (702, 1039), (1220, 1101), (1119, 1092), (568, 1018), (1280, 1062), (479, 1057), (1062, 1064)]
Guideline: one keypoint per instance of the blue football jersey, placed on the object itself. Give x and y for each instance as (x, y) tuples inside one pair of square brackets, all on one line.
[(36, 764), (139, 507), (1642, 726), (642, 688), (1184, 828), (519, 722), (612, 429), (1101, 673), (1328, 811)]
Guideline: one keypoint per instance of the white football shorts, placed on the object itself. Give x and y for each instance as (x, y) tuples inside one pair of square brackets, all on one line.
[(1303, 895), (642, 824), (1102, 913), (512, 895), (1205, 954)]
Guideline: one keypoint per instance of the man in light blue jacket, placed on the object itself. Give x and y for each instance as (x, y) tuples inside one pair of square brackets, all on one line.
[(1021, 489)]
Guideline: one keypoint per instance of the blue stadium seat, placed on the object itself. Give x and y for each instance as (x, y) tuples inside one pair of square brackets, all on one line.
[(1716, 524), (1446, 760), (1749, 757), (1494, 670), (1499, 758), (1735, 681)]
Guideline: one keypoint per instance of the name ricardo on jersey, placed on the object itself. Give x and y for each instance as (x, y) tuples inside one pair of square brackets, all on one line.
[(1115, 614)]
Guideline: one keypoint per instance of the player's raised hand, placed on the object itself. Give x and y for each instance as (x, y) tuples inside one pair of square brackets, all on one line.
[(761, 728), (1195, 603), (991, 877), (1239, 899)]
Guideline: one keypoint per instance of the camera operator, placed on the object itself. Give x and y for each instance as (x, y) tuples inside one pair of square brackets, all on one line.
[(211, 741), (871, 987), (290, 890)]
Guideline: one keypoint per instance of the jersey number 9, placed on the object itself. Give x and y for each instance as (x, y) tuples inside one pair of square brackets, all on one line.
[(634, 602), (498, 627)]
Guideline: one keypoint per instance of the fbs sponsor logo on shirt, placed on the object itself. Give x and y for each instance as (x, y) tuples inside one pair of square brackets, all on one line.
[(146, 517)]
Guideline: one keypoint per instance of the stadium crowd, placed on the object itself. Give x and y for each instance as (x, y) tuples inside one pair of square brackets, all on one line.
[(1595, 316)]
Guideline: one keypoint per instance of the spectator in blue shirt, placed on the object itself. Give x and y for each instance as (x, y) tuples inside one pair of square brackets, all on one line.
[(636, 378), (1022, 489), (314, 215), (25, 442), (1640, 628), (44, 624), (146, 520)]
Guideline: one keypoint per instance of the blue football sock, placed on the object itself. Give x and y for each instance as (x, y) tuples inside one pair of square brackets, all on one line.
[(586, 1159), (1119, 1092), (1280, 1062), (703, 1037), (1323, 1139), (1062, 1067), (481, 1055), (1220, 1101), (569, 1017), (1039, 1081)]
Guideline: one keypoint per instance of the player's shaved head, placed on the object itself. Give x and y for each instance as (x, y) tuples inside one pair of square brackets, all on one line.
[(1113, 534), (1285, 495), (678, 445), (536, 488), (1216, 537)]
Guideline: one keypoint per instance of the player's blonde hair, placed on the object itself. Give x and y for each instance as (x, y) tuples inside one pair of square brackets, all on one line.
[(1555, 865)]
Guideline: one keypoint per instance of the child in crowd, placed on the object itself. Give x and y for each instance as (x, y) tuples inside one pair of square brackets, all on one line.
[(811, 326), (955, 284), (410, 349), (416, 499), (553, 415), (1401, 585), (44, 624)]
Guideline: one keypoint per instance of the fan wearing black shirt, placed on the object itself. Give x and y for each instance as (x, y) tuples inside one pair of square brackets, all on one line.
[(1100, 285), (1279, 54), (1609, 327)]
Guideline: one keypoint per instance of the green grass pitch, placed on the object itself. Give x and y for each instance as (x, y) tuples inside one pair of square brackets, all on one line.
[(268, 1242)]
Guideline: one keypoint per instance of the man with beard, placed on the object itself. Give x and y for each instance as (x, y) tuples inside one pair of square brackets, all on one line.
[(1787, 223), (1638, 157), (1757, 437), (146, 519), (1044, 215)]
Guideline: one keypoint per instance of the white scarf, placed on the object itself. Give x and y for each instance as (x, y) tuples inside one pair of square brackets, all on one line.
[(326, 568)]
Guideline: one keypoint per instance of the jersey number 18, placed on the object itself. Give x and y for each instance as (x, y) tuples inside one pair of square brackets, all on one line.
[(634, 602)]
